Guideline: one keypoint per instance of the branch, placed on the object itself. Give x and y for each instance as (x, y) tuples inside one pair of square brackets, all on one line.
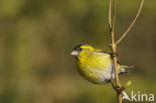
[(113, 47), (114, 16), (109, 15), (131, 25)]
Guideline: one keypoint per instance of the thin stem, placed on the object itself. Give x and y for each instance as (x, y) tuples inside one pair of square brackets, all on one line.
[(110, 15), (113, 47), (114, 17), (131, 25)]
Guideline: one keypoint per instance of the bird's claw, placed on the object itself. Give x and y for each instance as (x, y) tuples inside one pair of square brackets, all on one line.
[(114, 54), (119, 89)]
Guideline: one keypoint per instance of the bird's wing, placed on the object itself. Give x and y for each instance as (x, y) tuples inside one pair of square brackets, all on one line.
[(100, 51)]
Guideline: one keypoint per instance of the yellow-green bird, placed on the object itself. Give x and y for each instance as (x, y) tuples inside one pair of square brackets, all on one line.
[(95, 65)]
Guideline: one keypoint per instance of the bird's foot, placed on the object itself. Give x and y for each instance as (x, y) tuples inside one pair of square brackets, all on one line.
[(119, 89), (114, 54)]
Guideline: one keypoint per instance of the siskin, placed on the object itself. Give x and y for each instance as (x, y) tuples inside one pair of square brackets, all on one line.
[(95, 65)]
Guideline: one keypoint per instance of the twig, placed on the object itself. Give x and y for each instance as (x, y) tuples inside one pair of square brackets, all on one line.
[(114, 16), (113, 47), (131, 25), (110, 15)]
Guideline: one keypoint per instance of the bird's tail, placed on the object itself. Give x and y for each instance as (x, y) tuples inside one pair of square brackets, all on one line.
[(124, 69)]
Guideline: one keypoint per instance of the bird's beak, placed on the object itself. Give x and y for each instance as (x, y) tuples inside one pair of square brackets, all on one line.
[(74, 52)]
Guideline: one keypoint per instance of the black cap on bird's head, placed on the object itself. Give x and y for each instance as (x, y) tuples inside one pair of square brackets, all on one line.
[(78, 48)]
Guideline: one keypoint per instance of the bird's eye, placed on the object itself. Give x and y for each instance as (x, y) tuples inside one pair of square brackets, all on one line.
[(80, 49)]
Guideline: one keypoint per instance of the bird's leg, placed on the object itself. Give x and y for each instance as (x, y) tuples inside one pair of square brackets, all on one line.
[(119, 89), (114, 54)]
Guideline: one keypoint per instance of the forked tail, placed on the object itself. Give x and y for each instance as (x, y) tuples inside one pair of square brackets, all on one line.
[(124, 69)]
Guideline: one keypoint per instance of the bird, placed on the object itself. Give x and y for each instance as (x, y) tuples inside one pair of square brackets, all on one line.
[(95, 65)]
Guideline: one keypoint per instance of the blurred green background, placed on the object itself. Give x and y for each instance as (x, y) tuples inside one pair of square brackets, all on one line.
[(36, 37)]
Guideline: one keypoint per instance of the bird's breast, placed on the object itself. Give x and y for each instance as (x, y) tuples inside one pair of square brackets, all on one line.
[(95, 70)]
